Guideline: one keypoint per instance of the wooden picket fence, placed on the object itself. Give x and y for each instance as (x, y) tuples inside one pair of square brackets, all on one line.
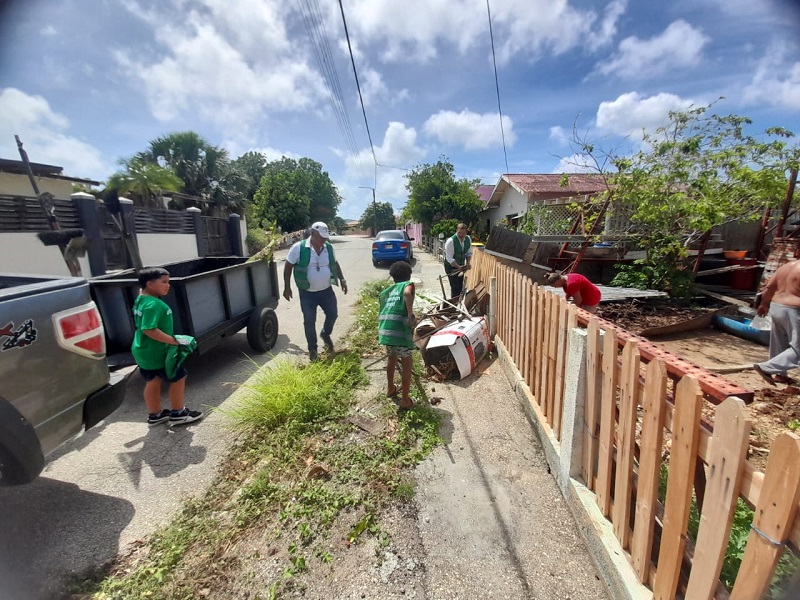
[(632, 407)]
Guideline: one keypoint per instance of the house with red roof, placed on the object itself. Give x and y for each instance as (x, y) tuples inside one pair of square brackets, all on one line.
[(515, 193)]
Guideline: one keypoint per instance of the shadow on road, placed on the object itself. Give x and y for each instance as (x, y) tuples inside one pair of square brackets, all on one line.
[(29, 545), (166, 450)]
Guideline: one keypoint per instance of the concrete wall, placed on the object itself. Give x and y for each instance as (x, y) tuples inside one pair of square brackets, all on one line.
[(25, 253), (512, 203), (13, 184), (164, 248)]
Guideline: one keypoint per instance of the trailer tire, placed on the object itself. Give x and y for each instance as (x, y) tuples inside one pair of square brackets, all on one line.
[(262, 329)]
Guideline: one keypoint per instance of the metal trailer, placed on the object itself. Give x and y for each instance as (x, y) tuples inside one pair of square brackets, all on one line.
[(211, 298)]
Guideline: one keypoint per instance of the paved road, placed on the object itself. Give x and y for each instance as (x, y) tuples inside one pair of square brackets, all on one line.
[(120, 480)]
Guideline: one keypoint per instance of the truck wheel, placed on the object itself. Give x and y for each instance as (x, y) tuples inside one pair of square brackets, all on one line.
[(12, 471), (262, 329)]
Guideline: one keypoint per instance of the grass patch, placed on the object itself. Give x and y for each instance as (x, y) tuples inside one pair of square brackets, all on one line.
[(364, 339), (300, 471)]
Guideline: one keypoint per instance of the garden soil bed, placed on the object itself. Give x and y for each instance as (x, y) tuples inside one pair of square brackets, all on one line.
[(773, 408)]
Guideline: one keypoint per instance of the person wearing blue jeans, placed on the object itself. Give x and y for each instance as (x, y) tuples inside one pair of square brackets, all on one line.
[(315, 268)]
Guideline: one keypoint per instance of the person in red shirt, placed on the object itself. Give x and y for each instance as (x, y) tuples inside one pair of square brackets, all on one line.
[(583, 292)]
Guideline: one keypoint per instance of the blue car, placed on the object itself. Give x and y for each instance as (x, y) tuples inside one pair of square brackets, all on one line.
[(392, 245)]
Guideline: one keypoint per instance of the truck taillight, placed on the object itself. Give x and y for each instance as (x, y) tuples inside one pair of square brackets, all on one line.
[(80, 330)]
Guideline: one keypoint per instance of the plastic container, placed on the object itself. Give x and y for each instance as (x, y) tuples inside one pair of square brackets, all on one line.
[(735, 254), (744, 279)]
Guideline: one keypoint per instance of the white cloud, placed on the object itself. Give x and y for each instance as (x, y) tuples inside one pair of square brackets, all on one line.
[(679, 46), (471, 130), (48, 31), (577, 163), (631, 112), (230, 62), (399, 149), (559, 135), (273, 154), (415, 30), (776, 81), (44, 135)]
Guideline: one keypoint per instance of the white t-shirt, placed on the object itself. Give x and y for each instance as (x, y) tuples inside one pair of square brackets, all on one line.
[(319, 268)]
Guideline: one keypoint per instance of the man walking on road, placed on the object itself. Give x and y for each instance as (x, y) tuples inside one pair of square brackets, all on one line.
[(315, 272), (781, 298), (457, 254)]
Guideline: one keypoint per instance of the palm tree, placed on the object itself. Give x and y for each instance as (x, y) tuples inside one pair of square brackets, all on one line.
[(147, 180)]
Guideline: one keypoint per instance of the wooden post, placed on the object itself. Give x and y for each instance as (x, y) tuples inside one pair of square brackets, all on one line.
[(773, 519), (654, 403), (594, 383), (561, 356), (626, 442), (725, 464), (608, 410), (685, 437)]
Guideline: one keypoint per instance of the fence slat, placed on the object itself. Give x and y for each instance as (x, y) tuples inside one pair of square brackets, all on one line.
[(561, 353), (628, 405), (608, 408), (552, 350), (773, 517), (685, 436), (541, 340), (532, 292), (526, 330), (518, 320), (728, 452), (654, 403), (591, 414)]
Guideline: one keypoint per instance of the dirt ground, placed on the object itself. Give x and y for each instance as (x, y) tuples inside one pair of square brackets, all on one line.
[(773, 408)]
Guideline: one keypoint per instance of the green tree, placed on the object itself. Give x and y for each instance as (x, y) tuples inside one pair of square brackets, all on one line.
[(435, 194), (204, 169), (295, 193), (146, 180), (380, 214), (252, 166), (697, 172)]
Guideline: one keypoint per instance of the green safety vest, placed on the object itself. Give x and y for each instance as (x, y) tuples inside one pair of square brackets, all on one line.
[(301, 268), (459, 252), (393, 327)]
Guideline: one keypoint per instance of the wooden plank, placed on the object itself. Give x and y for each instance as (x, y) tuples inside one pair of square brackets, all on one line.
[(555, 310), (518, 320), (654, 405), (608, 411), (628, 405), (561, 355), (728, 452), (591, 413), (773, 518), (685, 437), (532, 334), (527, 318), (544, 303)]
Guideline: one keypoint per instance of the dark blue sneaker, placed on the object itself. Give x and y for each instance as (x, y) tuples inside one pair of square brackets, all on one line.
[(312, 355), (158, 418), (185, 416), (326, 338)]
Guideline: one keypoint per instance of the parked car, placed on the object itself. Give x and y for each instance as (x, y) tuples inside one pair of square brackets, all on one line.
[(392, 245), (55, 380)]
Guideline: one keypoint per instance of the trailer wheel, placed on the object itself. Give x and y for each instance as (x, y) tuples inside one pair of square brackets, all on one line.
[(262, 329)]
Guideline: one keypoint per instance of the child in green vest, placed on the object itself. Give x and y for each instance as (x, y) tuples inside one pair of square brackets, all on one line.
[(151, 344), (396, 323)]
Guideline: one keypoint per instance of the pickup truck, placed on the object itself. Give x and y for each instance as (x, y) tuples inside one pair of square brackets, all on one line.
[(54, 380)]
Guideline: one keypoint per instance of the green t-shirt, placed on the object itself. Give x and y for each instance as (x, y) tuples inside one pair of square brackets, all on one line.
[(150, 312)]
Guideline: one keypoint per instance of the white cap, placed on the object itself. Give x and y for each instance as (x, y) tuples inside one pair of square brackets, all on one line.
[(321, 228)]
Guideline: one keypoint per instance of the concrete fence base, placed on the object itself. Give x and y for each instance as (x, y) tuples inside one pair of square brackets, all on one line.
[(563, 459)]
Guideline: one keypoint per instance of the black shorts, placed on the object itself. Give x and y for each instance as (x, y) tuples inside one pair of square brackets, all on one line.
[(150, 374)]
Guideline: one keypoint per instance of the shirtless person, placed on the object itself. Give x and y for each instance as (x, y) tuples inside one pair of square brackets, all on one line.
[(781, 298)]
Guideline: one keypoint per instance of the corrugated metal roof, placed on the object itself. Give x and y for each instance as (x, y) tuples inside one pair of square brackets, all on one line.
[(551, 183)]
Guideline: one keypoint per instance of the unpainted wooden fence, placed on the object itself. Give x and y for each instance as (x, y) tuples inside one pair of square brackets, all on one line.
[(633, 405)]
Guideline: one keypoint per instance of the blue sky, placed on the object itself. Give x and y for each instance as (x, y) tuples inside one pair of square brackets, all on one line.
[(87, 82)]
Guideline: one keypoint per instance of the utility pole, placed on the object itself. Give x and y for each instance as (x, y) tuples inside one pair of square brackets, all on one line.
[(374, 208)]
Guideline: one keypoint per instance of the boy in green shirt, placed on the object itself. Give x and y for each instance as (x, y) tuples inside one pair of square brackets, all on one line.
[(396, 329), (154, 335)]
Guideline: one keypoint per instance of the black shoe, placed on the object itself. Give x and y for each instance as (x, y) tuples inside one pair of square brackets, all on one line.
[(312, 355), (327, 339), (158, 418), (185, 416)]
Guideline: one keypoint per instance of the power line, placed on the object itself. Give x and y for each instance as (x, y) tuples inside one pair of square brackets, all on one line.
[(496, 84), (315, 27), (358, 86)]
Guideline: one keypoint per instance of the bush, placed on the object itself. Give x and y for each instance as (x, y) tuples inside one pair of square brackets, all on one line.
[(256, 240)]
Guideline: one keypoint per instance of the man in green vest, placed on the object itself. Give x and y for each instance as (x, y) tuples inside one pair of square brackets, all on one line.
[(316, 270), (457, 254)]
